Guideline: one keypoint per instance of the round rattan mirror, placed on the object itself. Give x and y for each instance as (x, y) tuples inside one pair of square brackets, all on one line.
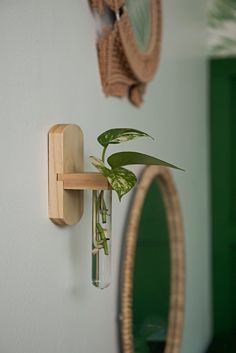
[(140, 33), (129, 49), (161, 330)]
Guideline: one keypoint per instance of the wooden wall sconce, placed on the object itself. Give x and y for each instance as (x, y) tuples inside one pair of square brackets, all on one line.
[(66, 184), (67, 179)]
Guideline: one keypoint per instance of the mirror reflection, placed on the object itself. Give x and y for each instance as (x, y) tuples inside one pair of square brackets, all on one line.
[(151, 289), (140, 17)]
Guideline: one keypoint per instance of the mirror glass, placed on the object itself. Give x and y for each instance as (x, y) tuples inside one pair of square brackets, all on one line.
[(152, 270), (140, 17)]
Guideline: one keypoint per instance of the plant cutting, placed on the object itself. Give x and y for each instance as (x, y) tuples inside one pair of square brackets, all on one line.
[(121, 179)]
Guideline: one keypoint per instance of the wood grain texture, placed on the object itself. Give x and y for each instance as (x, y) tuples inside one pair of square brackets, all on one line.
[(176, 237), (65, 155), (84, 181)]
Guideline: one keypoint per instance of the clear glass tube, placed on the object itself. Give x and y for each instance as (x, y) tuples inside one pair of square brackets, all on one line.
[(101, 238)]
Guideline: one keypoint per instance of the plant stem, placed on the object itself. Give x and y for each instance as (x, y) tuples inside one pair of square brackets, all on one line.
[(103, 210), (103, 238), (103, 153), (102, 207), (102, 204)]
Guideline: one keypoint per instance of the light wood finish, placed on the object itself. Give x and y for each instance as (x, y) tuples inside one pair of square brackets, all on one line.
[(84, 181), (65, 155), (177, 296)]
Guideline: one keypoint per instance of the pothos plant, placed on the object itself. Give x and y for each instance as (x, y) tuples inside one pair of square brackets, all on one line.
[(121, 179)]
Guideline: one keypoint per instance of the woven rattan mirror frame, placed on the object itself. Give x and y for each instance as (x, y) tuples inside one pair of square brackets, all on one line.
[(177, 296), (125, 69)]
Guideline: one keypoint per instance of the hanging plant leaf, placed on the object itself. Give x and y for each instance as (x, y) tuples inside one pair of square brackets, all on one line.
[(122, 180), (115, 136), (98, 163), (120, 159)]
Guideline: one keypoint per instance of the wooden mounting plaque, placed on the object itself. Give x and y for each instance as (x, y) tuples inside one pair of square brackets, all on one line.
[(65, 155)]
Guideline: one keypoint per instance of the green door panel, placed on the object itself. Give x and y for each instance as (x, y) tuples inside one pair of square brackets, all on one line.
[(223, 179)]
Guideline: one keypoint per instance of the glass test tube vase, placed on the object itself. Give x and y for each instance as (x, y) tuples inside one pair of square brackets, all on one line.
[(101, 237)]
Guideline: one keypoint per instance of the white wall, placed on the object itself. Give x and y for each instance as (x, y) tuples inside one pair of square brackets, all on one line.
[(48, 75)]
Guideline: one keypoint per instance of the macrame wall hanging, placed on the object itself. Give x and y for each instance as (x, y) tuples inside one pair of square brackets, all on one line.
[(129, 49)]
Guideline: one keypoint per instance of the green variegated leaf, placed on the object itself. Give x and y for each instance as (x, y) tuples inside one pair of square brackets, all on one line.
[(119, 135), (120, 159), (122, 180), (98, 163)]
